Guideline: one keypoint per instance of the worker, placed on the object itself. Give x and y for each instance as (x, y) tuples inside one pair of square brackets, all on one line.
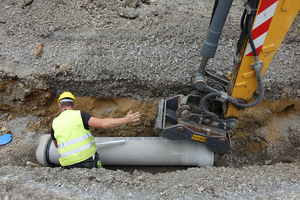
[(70, 133)]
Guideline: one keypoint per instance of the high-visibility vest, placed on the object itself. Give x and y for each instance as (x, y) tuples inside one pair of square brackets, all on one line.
[(75, 144)]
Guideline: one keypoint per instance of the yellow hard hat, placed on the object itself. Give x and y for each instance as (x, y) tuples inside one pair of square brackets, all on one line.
[(66, 95)]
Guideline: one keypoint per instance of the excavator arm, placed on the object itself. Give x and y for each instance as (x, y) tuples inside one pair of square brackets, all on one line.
[(210, 116)]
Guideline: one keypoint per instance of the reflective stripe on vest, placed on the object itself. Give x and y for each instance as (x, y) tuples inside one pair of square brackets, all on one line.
[(74, 141), (77, 150)]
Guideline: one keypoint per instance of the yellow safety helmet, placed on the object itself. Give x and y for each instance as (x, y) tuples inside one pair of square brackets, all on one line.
[(66, 95)]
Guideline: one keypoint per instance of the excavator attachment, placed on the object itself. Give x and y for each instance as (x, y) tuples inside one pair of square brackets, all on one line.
[(179, 118), (210, 116), (185, 117)]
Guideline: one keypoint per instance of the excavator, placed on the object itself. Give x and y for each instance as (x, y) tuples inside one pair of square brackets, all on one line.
[(210, 116), (196, 127)]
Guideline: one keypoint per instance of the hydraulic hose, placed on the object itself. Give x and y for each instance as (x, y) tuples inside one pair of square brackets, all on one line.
[(260, 96), (251, 39), (243, 19), (203, 101), (233, 100)]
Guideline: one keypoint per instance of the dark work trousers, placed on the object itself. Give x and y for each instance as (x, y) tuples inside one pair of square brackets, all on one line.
[(88, 163)]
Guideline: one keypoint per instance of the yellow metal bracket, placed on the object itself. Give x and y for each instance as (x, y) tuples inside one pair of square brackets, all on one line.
[(249, 74), (286, 4), (268, 49)]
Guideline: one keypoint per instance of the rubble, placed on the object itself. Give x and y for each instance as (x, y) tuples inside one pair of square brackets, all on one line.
[(114, 62)]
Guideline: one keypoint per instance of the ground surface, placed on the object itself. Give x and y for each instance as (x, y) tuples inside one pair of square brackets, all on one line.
[(121, 55)]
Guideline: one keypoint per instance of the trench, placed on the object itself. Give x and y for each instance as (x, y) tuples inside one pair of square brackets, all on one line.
[(268, 133)]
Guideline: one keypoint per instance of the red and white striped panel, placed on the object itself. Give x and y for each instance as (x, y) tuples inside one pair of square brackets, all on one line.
[(261, 26)]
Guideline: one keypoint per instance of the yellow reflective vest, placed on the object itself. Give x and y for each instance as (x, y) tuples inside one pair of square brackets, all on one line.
[(75, 144)]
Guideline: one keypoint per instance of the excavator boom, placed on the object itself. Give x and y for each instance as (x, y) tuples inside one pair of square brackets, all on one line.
[(210, 116)]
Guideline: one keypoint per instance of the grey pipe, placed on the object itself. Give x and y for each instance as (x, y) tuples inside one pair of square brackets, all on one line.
[(137, 151)]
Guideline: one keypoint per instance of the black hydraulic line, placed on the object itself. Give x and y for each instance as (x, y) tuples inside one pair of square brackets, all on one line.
[(250, 36), (243, 19), (244, 25), (260, 96), (209, 72), (203, 101), (253, 5), (233, 100)]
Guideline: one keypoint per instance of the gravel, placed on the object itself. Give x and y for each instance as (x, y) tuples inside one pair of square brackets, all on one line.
[(279, 181), (143, 50)]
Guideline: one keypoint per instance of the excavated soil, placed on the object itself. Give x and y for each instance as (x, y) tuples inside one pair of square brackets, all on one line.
[(117, 56)]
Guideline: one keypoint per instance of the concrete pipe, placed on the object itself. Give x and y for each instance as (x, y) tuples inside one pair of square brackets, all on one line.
[(156, 151)]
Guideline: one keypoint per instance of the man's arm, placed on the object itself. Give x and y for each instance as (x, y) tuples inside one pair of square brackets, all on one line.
[(113, 122)]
